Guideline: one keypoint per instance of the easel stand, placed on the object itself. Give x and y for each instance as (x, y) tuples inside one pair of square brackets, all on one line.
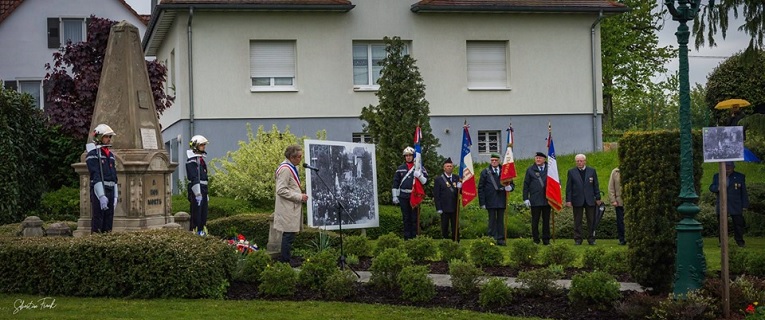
[(340, 209)]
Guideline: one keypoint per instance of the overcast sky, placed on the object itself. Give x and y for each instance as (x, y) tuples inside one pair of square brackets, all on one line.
[(701, 62)]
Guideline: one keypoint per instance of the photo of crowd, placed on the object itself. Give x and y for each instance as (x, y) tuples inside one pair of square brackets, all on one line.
[(723, 144)]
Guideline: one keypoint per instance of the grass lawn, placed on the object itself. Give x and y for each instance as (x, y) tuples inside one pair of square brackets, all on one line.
[(103, 308)]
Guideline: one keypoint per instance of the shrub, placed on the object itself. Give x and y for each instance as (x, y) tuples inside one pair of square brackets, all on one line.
[(421, 249), (317, 268), (252, 266), (386, 267), (485, 253), (278, 280), (651, 189), (141, 264), (358, 246), (540, 282), (339, 285), (737, 260), (595, 288), (495, 293), (218, 207), (755, 263), (638, 306), (692, 305), (390, 222), (254, 227), (741, 291), (451, 250), (388, 241), (352, 259), (415, 284), (594, 258), (62, 204), (616, 262), (558, 253), (524, 252), (465, 276)]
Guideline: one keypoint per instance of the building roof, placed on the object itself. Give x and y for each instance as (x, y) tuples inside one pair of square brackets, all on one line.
[(294, 3), (8, 6), (563, 6)]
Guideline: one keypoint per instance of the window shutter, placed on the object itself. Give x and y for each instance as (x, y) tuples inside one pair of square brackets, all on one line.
[(10, 85), (487, 66), (272, 59), (54, 40)]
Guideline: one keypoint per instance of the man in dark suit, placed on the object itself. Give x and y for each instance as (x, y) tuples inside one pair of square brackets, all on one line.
[(445, 190), (738, 199), (492, 196), (583, 194), (534, 196)]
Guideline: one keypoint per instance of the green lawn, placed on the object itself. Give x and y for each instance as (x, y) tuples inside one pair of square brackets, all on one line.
[(103, 308)]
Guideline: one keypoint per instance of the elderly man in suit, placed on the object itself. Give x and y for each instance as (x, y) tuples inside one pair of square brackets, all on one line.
[(534, 196), (738, 199), (583, 194), (446, 188), (288, 217), (492, 196)]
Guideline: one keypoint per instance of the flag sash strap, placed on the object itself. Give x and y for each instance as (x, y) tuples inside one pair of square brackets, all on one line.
[(292, 168)]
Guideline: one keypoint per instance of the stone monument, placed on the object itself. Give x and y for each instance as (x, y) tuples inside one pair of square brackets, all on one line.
[(125, 103)]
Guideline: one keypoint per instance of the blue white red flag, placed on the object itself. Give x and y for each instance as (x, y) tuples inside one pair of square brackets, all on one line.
[(418, 191), (466, 168), (553, 193)]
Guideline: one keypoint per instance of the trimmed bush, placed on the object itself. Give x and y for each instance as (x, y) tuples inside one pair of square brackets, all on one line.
[(594, 258), (595, 288), (142, 264), (388, 241), (252, 266), (421, 249), (278, 280), (558, 253), (523, 252), (465, 277), (755, 263), (254, 227), (485, 253), (62, 204), (358, 246), (387, 266), (218, 207), (638, 306), (540, 282), (339, 285), (415, 284), (616, 263), (317, 269), (451, 250), (390, 222), (692, 305), (495, 293), (650, 190), (737, 260)]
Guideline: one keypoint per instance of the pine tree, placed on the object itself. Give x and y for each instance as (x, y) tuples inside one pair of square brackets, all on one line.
[(402, 106)]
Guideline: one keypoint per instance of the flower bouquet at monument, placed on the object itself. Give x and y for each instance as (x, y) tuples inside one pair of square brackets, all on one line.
[(242, 245), (755, 311)]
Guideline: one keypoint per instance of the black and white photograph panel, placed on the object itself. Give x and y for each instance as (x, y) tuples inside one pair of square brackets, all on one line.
[(341, 182), (723, 144)]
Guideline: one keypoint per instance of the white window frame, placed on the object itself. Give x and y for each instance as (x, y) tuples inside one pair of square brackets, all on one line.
[(61, 29), (371, 84), (487, 67), (485, 141), (40, 104), (275, 60), (360, 137)]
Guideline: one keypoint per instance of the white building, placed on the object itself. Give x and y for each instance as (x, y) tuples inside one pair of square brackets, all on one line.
[(311, 65)]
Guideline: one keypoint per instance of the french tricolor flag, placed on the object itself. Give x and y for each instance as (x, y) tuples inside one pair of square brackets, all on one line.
[(466, 168), (552, 192)]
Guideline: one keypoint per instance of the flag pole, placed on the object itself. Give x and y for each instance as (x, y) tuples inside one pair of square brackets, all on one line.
[(457, 217), (552, 214), (507, 193)]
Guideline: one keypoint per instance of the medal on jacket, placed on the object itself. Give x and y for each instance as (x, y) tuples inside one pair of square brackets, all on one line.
[(590, 179), (448, 182), (537, 173)]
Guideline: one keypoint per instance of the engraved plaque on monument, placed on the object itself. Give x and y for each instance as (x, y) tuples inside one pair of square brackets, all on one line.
[(124, 102)]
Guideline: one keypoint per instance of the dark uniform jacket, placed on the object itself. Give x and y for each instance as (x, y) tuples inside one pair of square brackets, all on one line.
[(534, 185), (108, 170), (491, 195), (404, 182), (582, 192), (196, 172), (445, 193), (738, 199)]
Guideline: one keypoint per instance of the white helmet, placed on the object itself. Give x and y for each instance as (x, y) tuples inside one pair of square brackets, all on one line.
[(197, 141), (100, 131), (408, 150)]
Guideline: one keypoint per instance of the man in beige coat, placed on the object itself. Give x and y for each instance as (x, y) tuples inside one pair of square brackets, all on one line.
[(288, 217), (615, 194)]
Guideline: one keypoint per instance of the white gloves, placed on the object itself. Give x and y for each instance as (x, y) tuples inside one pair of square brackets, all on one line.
[(527, 203), (459, 185), (509, 188), (419, 176), (395, 200), (199, 200), (417, 173), (116, 195), (104, 202), (440, 211), (115, 202), (483, 207), (395, 193)]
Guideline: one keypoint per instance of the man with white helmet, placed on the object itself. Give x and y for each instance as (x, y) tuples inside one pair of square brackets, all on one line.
[(196, 174), (403, 181), (103, 179)]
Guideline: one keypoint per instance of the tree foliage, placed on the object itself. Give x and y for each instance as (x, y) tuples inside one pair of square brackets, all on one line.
[(737, 77), (73, 78), (631, 54), (402, 107), (249, 174), (713, 18)]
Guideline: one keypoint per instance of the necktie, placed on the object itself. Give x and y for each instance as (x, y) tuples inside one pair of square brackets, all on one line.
[(541, 168), (496, 171)]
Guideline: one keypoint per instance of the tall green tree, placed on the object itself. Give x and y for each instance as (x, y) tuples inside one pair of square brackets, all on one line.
[(713, 18), (402, 106), (631, 54)]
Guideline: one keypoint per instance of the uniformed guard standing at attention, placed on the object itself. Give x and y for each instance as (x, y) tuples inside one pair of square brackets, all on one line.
[(196, 173), (446, 189), (403, 181), (103, 179)]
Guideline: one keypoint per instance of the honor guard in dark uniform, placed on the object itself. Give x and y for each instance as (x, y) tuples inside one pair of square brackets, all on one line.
[(196, 173), (403, 180), (738, 199), (103, 179), (534, 197), (446, 189), (492, 196)]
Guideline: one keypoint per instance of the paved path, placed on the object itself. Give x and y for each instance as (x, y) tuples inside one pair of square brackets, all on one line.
[(445, 280)]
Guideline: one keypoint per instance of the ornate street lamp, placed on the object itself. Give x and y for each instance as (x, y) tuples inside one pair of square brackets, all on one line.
[(690, 265)]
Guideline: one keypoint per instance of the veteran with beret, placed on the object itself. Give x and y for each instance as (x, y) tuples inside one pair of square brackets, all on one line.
[(446, 189), (492, 196)]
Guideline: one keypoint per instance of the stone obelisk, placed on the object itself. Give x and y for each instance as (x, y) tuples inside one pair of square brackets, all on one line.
[(125, 103)]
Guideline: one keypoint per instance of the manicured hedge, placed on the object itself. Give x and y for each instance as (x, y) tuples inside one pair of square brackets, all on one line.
[(218, 207), (143, 264), (255, 227)]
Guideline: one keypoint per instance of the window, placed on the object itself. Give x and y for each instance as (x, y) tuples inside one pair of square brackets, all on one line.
[(360, 137), (488, 141), (33, 88), (366, 63), (487, 64), (171, 70), (272, 65), (61, 30)]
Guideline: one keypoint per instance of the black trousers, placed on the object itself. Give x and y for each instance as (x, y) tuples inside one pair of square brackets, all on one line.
[(101, 220), (590, 212), (544, 213), (739, 224), (286, 250), (620, 223), (409, 216), (497, 223), (198, 213), (449, 219)]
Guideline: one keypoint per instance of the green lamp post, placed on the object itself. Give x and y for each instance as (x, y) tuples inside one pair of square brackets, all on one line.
[(690, 265)]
